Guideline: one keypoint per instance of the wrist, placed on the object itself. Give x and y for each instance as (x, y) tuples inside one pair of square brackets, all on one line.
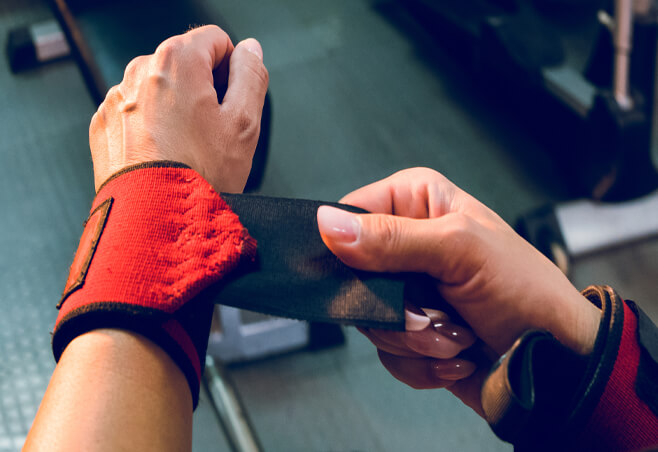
[(578, 324), (541, 395), (109, 381), (157, 236)]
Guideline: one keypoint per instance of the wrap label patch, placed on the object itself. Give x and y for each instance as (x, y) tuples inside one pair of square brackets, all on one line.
[(90, 236)]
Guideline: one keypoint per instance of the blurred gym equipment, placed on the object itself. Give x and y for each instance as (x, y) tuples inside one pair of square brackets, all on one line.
[(597, 124)]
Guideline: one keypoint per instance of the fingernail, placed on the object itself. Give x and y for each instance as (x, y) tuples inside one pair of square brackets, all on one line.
[(435, 315), (415, 322), (254, 47), (463, 336), (453, 369), (430, 343), (338, 224)]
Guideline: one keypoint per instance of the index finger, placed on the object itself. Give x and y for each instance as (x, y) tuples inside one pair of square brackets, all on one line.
[(213, 42), (414, 193)]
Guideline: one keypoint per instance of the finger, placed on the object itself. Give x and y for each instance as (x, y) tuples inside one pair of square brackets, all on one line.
[(414, 318), (469, 389), (392, 348), (135, 67), (133, 77), (446, 248), (196, 53), (431, 342), (113, 97), (427, 342), (426, 373), (247, 85), (414, 192), (212, 41), (443, 325)]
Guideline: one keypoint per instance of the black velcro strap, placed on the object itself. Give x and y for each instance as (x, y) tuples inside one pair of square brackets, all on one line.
[(295, 275)]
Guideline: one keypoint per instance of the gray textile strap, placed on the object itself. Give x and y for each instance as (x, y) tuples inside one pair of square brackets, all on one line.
[(295, 275)]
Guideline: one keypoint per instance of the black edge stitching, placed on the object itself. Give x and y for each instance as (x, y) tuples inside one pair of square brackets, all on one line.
[(153, 164)]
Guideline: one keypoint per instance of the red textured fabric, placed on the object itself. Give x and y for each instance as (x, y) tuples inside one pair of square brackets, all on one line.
[(621, 421), (168, 236), (158, 234)]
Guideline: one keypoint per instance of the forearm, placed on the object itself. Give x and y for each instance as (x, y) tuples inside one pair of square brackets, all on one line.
[(114, 390), (131, 335)]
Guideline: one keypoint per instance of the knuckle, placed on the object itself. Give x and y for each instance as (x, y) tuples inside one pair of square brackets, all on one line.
[(133, 66), (418, 172), (156, 79), (97, 120), (113, 95), (387, 232), (381, 244), (216, 30), (170, 47), (210, 28), (426, 172), (246, 125)]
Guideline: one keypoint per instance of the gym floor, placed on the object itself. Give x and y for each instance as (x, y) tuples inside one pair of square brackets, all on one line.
[(359, 91)]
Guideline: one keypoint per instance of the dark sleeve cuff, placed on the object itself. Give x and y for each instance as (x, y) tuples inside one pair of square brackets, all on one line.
[(543, 396)]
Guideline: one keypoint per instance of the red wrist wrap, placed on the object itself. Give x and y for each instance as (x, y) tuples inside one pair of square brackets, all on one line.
[(157, 235)]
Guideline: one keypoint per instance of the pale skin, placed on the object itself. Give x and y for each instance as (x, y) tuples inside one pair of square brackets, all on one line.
[(115, 390), (497, 282)]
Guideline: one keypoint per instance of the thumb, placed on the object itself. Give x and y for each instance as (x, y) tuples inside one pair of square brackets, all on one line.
[(247, 80), (388, 243)]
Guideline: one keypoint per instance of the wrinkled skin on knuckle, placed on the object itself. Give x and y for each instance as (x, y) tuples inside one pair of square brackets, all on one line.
[(113, 97), (156, 81), (246, 126), (170, 48), (169, 53), (134, 66), (376, 246), (421, 193)]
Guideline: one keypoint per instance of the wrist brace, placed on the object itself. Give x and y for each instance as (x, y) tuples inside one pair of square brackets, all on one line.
[(542, 396), (156, 237)]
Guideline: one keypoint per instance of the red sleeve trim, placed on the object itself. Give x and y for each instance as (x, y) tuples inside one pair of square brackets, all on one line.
[(621, 420)]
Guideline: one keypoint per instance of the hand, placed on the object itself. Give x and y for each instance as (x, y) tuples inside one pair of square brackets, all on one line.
[(496, 281), (167, 108), (429, 333), (425, 356)]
